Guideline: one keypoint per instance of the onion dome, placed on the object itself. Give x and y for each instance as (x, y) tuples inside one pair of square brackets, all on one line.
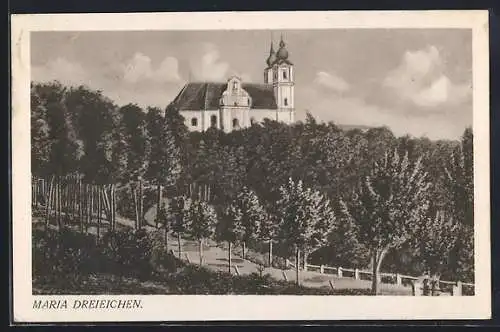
[(272, 56), (282, 53)]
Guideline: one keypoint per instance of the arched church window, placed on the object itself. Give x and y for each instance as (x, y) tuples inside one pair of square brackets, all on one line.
[(194, 122), (235, 85), (248, 101), (284, 75), (285, 101), (275, 75), (213, 120), (235, 123)]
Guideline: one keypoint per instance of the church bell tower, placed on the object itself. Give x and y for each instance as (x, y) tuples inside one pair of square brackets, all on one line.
[(280, 73)]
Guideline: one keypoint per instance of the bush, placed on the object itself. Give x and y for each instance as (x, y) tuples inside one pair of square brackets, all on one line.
[(128, 253), (64, 257)]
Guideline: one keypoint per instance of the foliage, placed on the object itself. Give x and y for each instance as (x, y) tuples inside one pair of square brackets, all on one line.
[(201, 220), (370, 174), (252, 214), (389, 203), (229, 225), (179, 212), (306, 217), (437, 237)]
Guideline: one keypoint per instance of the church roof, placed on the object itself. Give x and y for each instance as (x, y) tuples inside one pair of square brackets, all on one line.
[(206, 95)]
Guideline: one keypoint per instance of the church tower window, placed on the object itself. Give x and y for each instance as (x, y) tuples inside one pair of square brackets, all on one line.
[(194, 122), (285, 101), (235, 123), (213, 120), (284, 75)]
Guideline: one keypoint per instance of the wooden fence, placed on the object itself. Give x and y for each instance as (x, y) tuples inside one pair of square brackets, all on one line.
[(455, 288)]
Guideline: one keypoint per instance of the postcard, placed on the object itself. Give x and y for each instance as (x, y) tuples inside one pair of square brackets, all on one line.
[(225, 166)]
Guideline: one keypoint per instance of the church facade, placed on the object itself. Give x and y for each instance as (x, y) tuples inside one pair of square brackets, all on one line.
[(235, 104)]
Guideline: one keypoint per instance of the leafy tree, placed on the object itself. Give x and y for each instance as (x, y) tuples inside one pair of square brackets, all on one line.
[(435, 241), (202, 220), (460, 180), (138, 153), (306, 219), (252, 214), (228, 227), (268, 230), (164, 168), (388, 205), (40, 130), (179, 212)]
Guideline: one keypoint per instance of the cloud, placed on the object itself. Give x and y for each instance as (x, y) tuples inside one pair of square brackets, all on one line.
[(140, 68), (62, 70), (331, 81), (356, 111), (207, 66), (420, 79)]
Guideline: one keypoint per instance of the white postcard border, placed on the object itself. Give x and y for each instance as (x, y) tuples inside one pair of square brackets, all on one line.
[(206, 308)]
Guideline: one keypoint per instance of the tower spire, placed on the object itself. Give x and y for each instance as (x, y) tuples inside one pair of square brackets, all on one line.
[(272, 57), (271, 51)]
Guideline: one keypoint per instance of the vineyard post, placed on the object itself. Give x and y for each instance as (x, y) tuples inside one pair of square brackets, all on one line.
[(113, 207), (80, 202), (141, 204), (58, 210), (134, 195), (91, 206), (48, 202), (99, 205), (158, 203)]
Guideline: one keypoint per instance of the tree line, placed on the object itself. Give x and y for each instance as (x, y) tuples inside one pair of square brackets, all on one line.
[(315, 191)]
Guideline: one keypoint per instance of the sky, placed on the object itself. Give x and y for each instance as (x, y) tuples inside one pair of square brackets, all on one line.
[(414, 81)]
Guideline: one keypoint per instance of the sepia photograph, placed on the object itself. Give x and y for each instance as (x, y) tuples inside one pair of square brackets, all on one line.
[(194, 154)]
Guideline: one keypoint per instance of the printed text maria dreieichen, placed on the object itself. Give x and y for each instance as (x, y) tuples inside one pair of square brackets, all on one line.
[(88, 304)]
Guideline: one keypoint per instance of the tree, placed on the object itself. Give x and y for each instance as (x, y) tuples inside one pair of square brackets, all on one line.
[(252, 214), (306, 219), (202, 220), (164, 168), (138, 153), (268, 231), (179, 212), (435, 240), (40, 130), (460, 180), (388, 205), (229, 223)]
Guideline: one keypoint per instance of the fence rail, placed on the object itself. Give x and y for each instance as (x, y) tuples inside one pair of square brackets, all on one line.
[(455, 287)]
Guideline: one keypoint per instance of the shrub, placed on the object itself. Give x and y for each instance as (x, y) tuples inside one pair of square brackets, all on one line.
[(63, 257), (128, 253)]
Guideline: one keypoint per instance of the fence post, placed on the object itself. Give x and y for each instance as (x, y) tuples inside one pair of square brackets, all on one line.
[(187, 257), (416, 288), (236, 269), (321, 269), (339, 272), (331, 284), (284, 275), (356, 274), (457, 289), (398, 279)]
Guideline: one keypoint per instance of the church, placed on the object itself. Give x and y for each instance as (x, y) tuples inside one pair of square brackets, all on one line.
[(235, 104)]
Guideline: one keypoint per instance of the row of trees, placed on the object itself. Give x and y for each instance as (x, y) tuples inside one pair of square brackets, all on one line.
[(340, 197)]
